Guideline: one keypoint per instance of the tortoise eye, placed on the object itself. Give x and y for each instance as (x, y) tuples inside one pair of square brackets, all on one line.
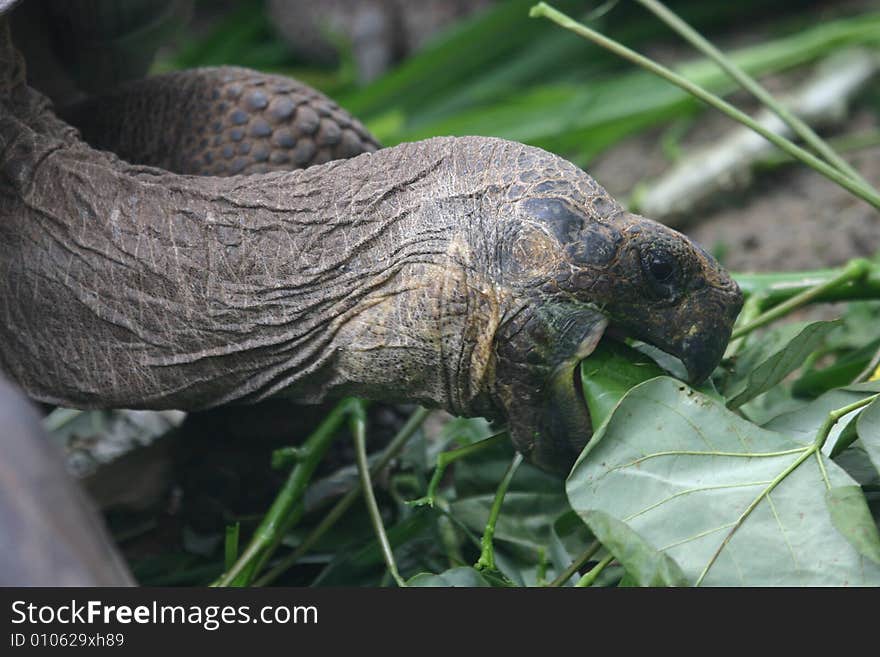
[(661, 269)]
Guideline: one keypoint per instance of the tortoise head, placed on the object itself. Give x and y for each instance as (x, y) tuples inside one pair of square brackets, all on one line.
[(581, 265), (651, 282)]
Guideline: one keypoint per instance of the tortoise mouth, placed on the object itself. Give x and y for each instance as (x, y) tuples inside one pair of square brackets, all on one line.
[(565, 426), (573, 424)]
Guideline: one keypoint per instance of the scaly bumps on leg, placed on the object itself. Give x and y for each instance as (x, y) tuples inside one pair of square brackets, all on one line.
[(220, 121)]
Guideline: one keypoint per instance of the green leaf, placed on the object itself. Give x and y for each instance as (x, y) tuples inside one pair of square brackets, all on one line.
[(868, 428), (462, 576), (802, 423), (609, 372), (843, 371), (757, 370), (852, 518), (730, 502), (644, 565)]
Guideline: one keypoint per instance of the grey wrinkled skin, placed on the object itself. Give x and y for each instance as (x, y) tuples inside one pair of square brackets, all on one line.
[(465, 273)]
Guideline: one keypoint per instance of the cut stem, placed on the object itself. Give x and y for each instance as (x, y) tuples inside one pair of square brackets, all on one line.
[(835, 415), (595, 571), (445, 459), (487, 553)]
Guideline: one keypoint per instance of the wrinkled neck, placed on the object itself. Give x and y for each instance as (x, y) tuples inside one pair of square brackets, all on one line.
[(135, 287)]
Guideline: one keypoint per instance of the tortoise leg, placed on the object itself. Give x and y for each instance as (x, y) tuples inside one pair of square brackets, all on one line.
[(220, 121)]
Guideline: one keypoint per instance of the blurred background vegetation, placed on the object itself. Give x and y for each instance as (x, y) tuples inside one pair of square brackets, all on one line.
[(500, 73)]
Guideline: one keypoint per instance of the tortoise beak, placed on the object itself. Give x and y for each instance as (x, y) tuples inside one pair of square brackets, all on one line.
[(701, 353), (707, 322)]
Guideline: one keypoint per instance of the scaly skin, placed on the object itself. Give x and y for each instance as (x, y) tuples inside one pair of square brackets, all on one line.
[(466, 273), (220, 121)]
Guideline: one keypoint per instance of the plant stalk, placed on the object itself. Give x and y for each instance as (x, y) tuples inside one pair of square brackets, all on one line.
[(751, 85), (576, 565), (445, 459), (853, 271), (346, 501), (359, 429), (590, 577), (287, 502), (487, 553), (546, 11)]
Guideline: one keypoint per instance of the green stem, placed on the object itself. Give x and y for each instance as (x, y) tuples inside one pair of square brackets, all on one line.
[(752, 86), (286, 505), (487, 553), (869, 195), (853, 271), (576, 565), (845, 144), (590, 577), (346, 501), (231, 546), (359, 429), (776, 287), (835, 415), (871, 370), (445, 459)]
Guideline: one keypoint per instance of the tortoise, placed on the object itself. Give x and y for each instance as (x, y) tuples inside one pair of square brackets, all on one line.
[(221, 235)]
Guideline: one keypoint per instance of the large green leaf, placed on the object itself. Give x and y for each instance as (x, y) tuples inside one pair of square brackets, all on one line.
[(730, 502), (462, 576), (762, 366), (607, 374)]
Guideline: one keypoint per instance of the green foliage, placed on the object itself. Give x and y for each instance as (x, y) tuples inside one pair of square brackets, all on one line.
[(729, 502), (461, 576), (868, 428), (778, 354)]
